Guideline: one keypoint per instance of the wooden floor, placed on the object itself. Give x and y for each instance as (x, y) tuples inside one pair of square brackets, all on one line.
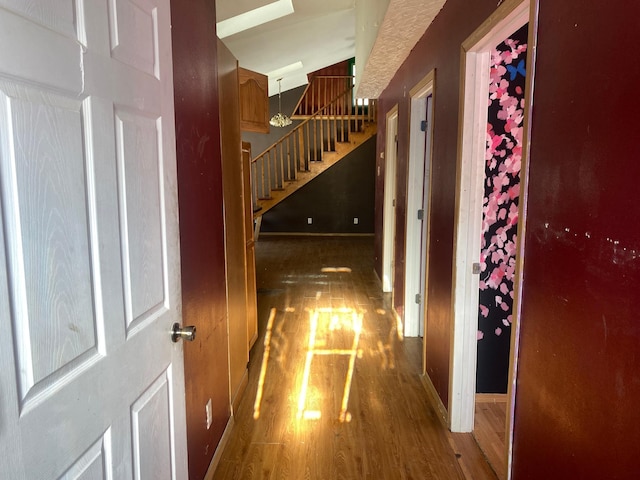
[(334, 391), (489, 430)]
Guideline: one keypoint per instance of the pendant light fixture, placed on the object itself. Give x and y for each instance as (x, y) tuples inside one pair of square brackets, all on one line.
[(280, 120)]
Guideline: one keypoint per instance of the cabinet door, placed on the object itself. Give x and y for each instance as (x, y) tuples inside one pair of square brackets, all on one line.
[(254, 101)]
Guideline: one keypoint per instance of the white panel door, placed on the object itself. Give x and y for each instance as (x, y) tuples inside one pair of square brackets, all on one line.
[(417, 211), (91, 385)]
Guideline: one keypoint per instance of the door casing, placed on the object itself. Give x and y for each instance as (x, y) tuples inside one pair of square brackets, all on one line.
[(389, 213), (418, 192), (508, 18)]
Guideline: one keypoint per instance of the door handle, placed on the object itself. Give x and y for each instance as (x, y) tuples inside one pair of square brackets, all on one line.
[(183, 333)]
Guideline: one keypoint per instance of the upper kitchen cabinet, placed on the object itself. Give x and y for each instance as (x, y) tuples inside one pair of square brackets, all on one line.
[(254, 101)]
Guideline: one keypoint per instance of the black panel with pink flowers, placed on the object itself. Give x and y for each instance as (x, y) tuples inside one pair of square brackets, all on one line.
[(500, 211)]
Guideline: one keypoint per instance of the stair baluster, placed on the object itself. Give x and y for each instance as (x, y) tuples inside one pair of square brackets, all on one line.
[(298, 152)]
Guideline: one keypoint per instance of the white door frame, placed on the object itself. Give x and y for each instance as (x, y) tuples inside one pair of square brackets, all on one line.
[(389, 209), (508, 18), (418, 190)]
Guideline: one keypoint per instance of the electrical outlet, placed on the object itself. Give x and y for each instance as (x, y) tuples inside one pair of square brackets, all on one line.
[(209, 414), (309, 220), (355, 220)]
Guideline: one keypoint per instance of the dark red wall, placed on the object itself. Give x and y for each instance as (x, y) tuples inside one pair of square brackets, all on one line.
[(438, 49), (201, 225), (578, 389), (340, 69), (578, 396)]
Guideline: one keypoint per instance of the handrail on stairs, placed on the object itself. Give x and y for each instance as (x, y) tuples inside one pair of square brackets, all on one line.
[(306, 143), (320, 90)]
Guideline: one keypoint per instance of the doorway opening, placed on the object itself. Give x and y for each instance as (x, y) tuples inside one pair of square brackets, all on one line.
[(418, 193), (389, 209), (489, 216)]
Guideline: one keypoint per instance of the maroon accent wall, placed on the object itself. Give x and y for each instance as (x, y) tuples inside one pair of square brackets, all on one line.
[(577, 403), (340, 68), (201, 225), (578, 385), (438, 49)]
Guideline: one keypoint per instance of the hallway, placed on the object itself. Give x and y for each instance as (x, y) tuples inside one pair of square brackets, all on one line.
[(334, 390)]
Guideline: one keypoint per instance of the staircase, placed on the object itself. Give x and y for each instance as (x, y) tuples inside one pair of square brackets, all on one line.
[(337, 126)]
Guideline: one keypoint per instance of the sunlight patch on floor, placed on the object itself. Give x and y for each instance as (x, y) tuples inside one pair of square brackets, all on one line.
[(331, 319), (265, 362)]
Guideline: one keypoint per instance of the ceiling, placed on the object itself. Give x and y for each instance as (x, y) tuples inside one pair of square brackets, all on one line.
[(317, 34), (303, 36)]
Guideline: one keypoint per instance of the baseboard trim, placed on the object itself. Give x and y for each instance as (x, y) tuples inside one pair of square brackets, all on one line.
[(221, 445), (240, 391), (491, 398), (435, 400), (311, 234)]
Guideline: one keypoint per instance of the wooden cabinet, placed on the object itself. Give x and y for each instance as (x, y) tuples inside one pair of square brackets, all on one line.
[(234, 230), (254, 101), (238, 215)]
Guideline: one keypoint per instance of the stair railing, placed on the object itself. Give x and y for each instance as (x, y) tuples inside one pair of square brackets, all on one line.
[(307, 142), (320, 91)]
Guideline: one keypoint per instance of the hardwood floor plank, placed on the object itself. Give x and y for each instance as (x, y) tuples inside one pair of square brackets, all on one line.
[(341, 396), (470, 457), (489, 431)]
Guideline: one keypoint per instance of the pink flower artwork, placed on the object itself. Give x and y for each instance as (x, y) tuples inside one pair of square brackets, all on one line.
[(503, 156)]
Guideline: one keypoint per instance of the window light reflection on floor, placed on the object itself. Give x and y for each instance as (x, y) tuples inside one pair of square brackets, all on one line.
[(322, 322), (329, 328), (338, 319), (265, 362)]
